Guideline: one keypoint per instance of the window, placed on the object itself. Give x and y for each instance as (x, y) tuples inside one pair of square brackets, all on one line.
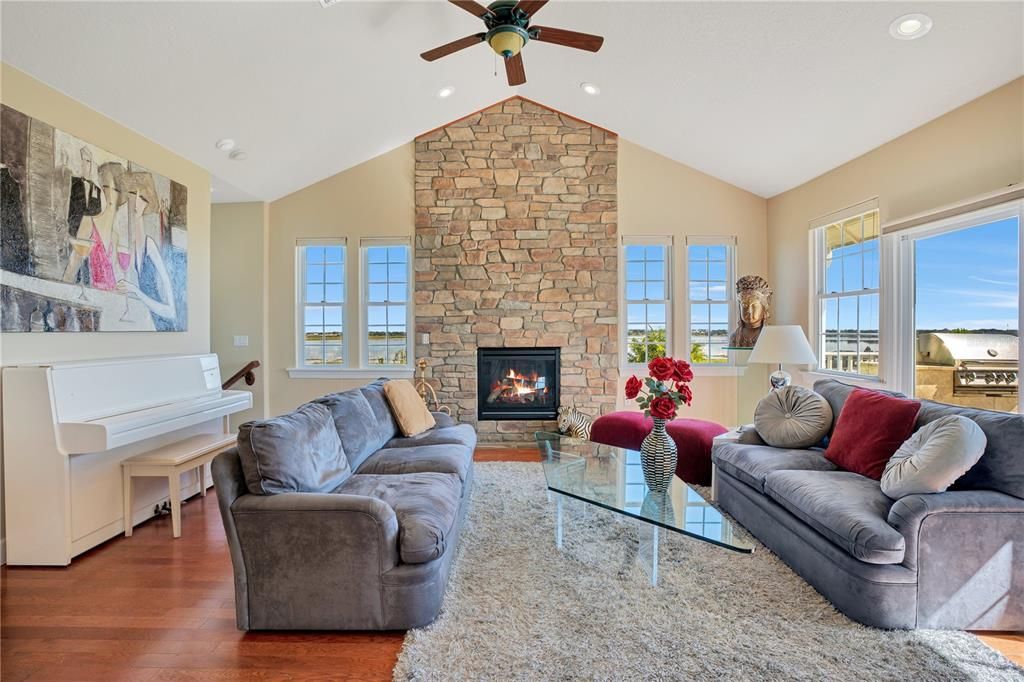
[(710, 290), (647, 301), (322, 303), (386, 277), (848, 294)]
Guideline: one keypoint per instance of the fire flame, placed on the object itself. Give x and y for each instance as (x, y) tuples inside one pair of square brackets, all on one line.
[(519, 384)]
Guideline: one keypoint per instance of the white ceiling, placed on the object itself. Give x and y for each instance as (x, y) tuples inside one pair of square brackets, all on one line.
[(764, 95)]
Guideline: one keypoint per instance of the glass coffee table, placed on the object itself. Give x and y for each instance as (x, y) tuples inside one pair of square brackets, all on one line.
[(611, 478)]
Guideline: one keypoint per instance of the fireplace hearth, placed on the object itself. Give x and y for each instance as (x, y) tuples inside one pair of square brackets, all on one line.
[(517, 383)]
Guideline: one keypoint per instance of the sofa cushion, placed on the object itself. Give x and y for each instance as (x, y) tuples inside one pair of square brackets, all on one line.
[(411, 413), (384, 427), (443, 459), (752, 463), (294, 453), (354, 420), (1001, 468), (934, 458), (793, 417), (426, 505), (836, 393), (869, 430), (847, 508), (459, 434)]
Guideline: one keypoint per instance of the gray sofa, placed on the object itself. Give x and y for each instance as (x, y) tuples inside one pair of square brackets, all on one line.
[(372, 554), (949, 560)]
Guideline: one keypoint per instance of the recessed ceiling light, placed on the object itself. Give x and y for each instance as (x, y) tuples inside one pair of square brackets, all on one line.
[(590, 88), (238, 155), (225, 144), (910, 26), (446, 91)]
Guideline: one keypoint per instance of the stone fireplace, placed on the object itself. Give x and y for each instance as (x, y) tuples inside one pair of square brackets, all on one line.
[(517, 248), (517, 383)]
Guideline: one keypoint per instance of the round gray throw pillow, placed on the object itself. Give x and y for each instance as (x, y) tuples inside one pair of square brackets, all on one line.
[(793, 417), (935, 457)]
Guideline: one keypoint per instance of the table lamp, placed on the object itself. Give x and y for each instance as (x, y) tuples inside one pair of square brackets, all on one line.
[(782, 344)]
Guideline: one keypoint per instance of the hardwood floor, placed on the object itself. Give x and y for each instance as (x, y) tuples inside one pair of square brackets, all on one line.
[(149, 608)]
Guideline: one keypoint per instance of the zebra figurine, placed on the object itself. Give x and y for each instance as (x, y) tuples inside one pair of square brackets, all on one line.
[(573, 423)]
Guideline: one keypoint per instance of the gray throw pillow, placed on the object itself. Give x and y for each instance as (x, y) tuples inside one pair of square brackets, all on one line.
[(934, 458), (294, 453), (793, 417)]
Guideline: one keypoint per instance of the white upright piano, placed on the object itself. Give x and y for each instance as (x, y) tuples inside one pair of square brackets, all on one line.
[(68, 425)]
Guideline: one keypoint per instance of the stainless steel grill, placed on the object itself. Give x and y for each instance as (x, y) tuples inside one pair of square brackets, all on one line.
[(984, 364)]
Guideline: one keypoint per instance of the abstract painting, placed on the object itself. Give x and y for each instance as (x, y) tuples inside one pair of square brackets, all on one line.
[(89, 241)]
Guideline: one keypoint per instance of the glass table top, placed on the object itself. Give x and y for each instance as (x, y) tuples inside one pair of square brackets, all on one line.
[(611, 477)]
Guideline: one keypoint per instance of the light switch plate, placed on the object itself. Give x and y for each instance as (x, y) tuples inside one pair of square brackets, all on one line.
[(424, 338), (241, 341)]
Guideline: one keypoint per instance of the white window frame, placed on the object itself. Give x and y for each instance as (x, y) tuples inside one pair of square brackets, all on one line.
[(817, 291), (300, 304), (364, 302), (729, 242), (667, 243), (903, 243)]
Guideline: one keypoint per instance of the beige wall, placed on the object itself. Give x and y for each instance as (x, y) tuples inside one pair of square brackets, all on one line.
[(31, 97), (373, 199), (658, 196), (238, 300), (971, 150)]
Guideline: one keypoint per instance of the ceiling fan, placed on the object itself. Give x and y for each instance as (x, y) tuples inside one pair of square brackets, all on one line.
[(508, 30)]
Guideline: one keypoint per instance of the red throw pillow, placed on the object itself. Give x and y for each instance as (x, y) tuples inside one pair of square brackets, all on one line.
[(869, 430)]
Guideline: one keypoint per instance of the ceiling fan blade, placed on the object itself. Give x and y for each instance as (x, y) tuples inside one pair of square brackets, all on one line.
[(514, 70), (531, 7), (559, 36), (454, 46), (473, 7)]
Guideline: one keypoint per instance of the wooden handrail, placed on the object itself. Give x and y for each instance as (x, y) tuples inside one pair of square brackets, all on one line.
[(246, 372)]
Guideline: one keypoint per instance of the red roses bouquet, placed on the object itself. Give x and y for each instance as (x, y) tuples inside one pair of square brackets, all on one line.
[(667, 387)]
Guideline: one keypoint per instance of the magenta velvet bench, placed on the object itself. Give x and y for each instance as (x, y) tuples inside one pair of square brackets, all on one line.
[(693, 438)]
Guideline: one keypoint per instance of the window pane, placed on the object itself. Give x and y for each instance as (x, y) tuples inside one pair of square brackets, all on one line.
[(635, 253), (333, 293), (717, 253), (656, 270), (717, 272), (314, 293), (656, 291), (314, 254), (377, 254), (314, 273), (698, 271), (377, 273), (314, 315), (635, 291), (718, 292), (636, 314), (698, 291), (833, 274), (378, 293), (334, 254), (698, 253), (654, 253), (848, 334), (332, 274), (656, 313), (871, 266), (719, 314), (332, 354), (397, 254), (332, 316), (397, 292), (397, 272), (634, 272), (396, 314), (700, 314), (313, 354)]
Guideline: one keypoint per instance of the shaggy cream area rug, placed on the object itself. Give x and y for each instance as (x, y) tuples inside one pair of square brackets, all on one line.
[(517, 608)]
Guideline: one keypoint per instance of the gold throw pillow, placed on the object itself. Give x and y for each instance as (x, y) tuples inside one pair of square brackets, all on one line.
[(410, 412)]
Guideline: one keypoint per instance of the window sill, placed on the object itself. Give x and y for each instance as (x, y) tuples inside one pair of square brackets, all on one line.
[(350, 373), (698, 370), (865, 379)]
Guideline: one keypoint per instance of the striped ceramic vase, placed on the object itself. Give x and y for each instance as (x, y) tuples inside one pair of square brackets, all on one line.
[(658, 458)]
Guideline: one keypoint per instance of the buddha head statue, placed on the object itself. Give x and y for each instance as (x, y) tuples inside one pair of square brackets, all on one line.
[(754, 297)]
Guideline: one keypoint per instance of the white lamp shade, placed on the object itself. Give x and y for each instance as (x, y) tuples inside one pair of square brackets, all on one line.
[(782, 344)]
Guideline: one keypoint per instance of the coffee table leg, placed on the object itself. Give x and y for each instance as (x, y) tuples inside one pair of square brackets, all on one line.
[(558, 521), (648, 551)]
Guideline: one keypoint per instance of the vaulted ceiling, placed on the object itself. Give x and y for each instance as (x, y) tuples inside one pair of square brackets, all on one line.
[(763, 95)]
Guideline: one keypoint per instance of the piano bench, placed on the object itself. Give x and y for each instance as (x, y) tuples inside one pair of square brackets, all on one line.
[(170, 462)]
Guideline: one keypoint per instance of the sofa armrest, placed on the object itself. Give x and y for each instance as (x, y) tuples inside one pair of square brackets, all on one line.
[(311, 556), (443, 419), (977, 513)]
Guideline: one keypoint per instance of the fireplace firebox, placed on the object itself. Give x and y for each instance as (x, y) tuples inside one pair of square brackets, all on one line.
[(517, 383)]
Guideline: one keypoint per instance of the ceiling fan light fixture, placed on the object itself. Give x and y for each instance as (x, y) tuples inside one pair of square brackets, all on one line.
[(590, 88), (507, 41)]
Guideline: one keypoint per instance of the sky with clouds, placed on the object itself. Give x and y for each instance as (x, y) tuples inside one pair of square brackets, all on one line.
[(969, 278)]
